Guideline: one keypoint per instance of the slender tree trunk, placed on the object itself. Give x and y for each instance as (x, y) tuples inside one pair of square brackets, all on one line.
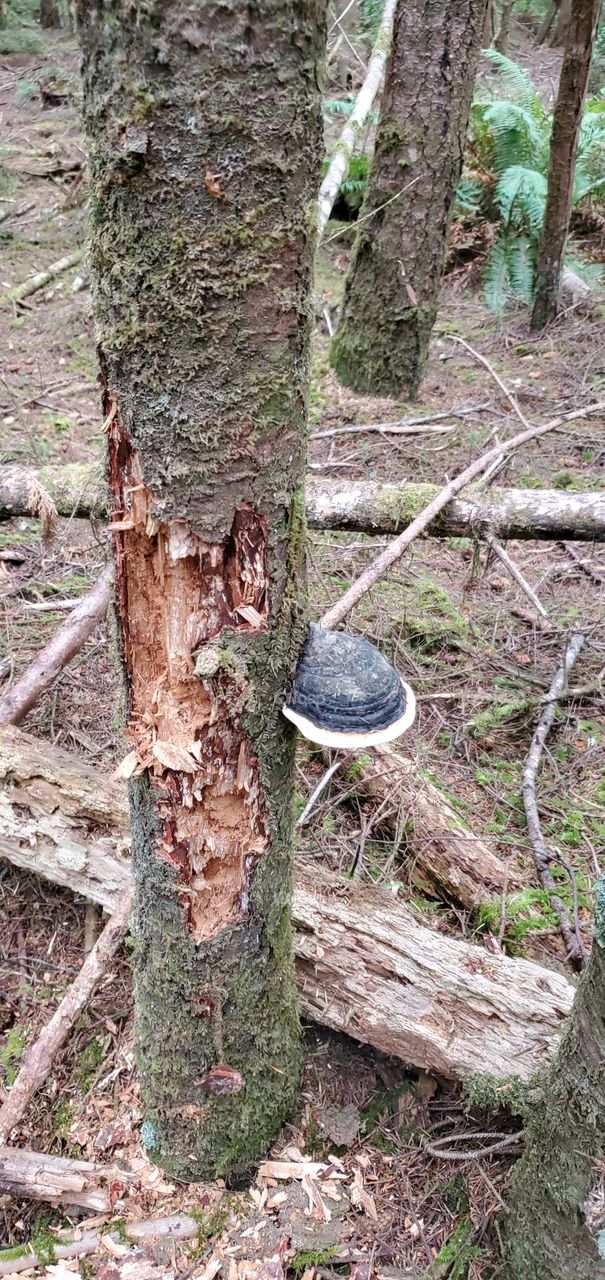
[(556, 1225), (50, 15), (503, 36), (204, 127), (392, 289), (563, 149)]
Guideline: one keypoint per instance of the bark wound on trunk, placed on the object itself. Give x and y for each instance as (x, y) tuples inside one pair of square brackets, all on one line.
[(186, 591)]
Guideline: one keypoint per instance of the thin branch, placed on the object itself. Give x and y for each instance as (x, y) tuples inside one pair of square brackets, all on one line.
[(43, 277), (341, 156), (542, 858), (176, 1227), (68, 641), (403, 426), (38, 1059), (396, 548), (353, 226), (516, 574), (321, 785), (496, 377)]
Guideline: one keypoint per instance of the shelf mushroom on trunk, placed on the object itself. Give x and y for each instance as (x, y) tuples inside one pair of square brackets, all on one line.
[(345, 694)]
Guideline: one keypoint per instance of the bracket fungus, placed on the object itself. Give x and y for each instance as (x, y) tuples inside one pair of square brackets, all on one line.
[(345, 694)]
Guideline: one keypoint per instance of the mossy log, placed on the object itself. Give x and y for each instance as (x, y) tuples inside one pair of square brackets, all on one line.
[(364, 964), (556, 1224), (365, 506), (204, 132)]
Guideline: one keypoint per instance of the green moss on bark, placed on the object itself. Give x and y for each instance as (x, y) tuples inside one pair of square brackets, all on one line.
[(392, 289), (204, 128)]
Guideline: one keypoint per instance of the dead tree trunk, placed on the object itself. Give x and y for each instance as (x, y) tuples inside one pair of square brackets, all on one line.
[(204, 165), (392, 289), (563, 149), (556, 1225)]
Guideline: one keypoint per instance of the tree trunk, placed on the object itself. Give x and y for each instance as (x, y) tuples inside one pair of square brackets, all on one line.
[(392, 288), (503, 36), (563, 148), (556, 1225), (204, 129), (50, 14)]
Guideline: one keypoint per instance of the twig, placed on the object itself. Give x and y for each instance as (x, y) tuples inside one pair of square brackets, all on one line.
[(497, 379), (515, 573), (396, 548), (402, 425), (341, 156), (43, 277), (321, 785), (350, 227), (584, 565), (38, 1060), (67, 641), (542, 858), (445, 1153)]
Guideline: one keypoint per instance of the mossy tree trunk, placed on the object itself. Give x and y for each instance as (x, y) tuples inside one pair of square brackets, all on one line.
[(392, 288), (580, 30), (204, 127), (556, 1224)]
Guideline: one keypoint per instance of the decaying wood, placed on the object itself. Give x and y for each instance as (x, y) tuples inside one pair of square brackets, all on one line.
[(179, 1226), (37, 1176), (39, 1056), (444, 854), (364, 506), (67, 641), (366, 966), (42, 278), (415, 1017), (542, 858), (341, 155), (396, 548)]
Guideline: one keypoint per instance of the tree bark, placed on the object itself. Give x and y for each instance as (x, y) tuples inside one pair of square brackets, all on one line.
[(204, 131), (503, 36), (37, 1176), (392, 289), (365, 506), (563, 150), (57, 814), (556, 1225)]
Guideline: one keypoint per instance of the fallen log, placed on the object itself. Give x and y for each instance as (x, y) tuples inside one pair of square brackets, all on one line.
[(365, 965), (363, 506), (36, 1176), (66, 642), (42, 278), (38, 1059)]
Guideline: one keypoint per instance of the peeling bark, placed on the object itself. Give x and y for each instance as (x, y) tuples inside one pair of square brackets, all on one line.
[(201, 254), (392, 289), (364, 964)]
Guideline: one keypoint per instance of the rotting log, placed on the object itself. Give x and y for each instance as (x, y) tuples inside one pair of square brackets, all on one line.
[(406, 995), (37, 1176), (363, 506), (204, 166)]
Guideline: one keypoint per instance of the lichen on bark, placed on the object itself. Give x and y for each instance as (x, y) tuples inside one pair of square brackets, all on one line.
[(204, 128), (392, 287)]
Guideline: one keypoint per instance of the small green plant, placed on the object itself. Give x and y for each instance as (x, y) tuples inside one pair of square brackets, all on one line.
[(91, 1058), (505, 178), (308, 1258), (11, 1052), (457, 1253)]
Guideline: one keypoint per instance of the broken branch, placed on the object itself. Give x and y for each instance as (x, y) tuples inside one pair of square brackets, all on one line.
[(395, 550), (179, 1226), (542, 859), (43, 277), (39, 1057), (68, 641)]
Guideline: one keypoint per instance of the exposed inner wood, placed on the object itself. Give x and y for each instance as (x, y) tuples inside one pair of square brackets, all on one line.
[(175, 594)]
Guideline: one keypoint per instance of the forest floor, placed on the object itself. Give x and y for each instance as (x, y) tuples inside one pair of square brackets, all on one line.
[(450, 617)]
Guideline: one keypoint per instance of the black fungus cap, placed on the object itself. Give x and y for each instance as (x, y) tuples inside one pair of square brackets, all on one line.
[(344, 688)]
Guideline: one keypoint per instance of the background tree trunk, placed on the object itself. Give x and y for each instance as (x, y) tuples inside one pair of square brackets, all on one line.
[(506, 17), (563, 148), (556, 1225), (204, 129), (392, 288), (50, 15)]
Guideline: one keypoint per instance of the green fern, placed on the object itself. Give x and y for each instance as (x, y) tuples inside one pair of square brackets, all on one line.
[(509, 145)]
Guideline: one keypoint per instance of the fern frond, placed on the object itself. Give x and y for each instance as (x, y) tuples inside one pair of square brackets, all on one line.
[(495, 280), (520, 196), (519, 84)]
